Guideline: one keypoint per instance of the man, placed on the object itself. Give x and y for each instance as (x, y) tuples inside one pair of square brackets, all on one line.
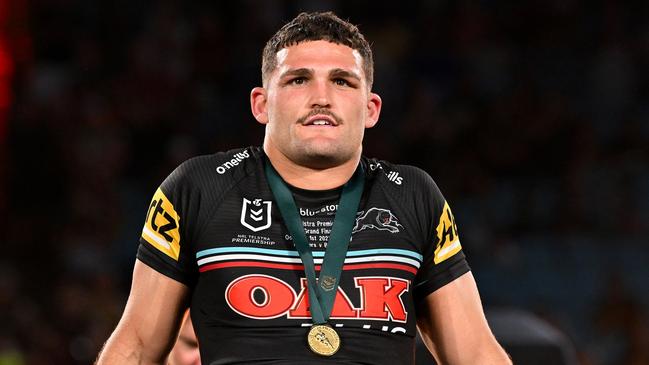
[(304, 251), (185, 351)]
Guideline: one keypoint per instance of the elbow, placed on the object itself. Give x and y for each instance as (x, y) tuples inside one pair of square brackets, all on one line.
[(494, 356), (485, 353)]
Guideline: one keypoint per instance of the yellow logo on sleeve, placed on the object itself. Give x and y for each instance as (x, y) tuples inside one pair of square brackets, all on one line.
[(448, 241), (161, 228)]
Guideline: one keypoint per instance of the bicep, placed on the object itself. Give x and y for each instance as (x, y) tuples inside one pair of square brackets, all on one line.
[(151, 319), (453, 326)]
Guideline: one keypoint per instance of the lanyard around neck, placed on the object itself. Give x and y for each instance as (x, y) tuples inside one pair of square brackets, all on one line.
[(322, 292)]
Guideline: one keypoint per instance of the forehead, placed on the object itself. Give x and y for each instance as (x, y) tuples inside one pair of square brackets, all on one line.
[(319, 55)]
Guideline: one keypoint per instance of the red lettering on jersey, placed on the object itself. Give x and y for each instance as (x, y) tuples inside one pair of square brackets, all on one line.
[(266, 297), (342, 305), (301, 308), (242, 294), (381, 298)]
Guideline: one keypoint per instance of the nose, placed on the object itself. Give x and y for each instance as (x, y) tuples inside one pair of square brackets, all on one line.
[(320, 97)]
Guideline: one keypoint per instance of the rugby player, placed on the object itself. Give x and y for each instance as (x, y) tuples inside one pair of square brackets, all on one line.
[(304, 250)]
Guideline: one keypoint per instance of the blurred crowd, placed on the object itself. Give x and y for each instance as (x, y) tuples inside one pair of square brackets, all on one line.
[(532, 117)]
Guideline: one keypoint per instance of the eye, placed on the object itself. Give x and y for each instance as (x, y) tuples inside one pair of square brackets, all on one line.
[(341, 82), (297, 81)]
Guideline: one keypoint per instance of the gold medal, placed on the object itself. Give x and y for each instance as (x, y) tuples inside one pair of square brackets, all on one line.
[(323, 340)]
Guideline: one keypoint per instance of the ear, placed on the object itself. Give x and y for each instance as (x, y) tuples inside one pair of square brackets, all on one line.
[(258, 104), (373, 110)]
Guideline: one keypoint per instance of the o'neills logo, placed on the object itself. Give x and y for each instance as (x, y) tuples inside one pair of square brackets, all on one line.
[(233, 162), (392, 175)]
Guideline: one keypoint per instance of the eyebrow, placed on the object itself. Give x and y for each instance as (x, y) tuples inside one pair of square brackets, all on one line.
[(339, 72), (297, 72), (336, 72)]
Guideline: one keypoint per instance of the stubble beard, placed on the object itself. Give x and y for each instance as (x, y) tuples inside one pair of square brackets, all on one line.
[(320, 157)]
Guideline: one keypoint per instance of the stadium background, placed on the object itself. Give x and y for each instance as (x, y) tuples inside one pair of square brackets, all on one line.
[(533, 117)]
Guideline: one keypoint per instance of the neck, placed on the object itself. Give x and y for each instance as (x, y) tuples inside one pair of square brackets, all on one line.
[(308, 178)]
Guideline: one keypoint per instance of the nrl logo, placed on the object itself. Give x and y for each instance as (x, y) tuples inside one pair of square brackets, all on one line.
[(255, 215), (328, 283), (377, 218)]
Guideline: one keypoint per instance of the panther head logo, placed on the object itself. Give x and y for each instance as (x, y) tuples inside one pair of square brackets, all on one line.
[(377, 218)]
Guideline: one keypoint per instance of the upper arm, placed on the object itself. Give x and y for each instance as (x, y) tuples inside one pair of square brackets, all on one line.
[(150, 322), (453, 326)]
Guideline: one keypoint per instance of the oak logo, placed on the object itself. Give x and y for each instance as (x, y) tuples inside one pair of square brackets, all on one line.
[(266, 297), (255, 214), (448, 241), (161, 228)]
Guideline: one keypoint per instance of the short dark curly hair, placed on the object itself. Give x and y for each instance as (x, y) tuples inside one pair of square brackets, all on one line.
[(314, 27)]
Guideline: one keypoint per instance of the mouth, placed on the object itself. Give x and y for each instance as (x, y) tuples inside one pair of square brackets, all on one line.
[(320, 120)]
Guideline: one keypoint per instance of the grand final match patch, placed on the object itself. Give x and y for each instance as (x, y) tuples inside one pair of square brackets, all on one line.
[(447, 236), (161, 228)]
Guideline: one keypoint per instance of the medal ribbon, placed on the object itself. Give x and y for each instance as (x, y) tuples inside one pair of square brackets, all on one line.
[(321, 297)]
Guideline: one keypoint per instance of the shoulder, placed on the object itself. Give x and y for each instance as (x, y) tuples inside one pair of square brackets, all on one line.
[(402, 177), (219, 169)]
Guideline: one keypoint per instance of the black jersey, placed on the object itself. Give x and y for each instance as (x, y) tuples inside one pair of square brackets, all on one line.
[(214, 226)]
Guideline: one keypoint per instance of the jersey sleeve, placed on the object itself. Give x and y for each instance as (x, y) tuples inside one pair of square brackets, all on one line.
[(167, 234), (443, 258)]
